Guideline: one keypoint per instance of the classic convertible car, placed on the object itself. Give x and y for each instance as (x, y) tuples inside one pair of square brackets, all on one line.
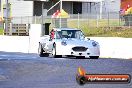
[(68, 42)]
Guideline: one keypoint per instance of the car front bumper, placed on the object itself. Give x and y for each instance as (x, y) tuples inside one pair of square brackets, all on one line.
[(67, 50)]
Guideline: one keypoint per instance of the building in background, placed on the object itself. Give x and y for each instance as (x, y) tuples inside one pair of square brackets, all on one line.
[(0, 7), (29, 8), (1, 20), (32, 7), (80, 6)]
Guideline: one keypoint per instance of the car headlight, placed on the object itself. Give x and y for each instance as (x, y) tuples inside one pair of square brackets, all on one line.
[(94, 44), (63, 43)]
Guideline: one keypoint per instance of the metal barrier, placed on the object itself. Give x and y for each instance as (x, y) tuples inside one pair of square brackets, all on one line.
[(82, 21), (111, 19)]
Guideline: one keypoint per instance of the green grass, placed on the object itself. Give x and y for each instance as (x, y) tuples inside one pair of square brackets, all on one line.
[(1, 31), (94, 23), (101, 29), (113, 32), (121, 33)]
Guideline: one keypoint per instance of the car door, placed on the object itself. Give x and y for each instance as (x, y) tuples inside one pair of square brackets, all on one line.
[(51, 40)]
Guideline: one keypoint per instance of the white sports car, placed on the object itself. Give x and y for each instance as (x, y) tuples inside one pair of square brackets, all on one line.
[(68, 42)]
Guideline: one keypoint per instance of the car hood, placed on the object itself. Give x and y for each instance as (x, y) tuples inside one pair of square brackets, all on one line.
[(77, 42)]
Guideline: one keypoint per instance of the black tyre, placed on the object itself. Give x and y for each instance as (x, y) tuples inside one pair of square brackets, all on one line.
[(80, 57), (41, 51), (94, 57), (54, 52), (45, 54), (70, 56)]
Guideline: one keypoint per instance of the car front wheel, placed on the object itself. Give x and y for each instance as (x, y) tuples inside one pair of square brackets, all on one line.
[(54, 52)]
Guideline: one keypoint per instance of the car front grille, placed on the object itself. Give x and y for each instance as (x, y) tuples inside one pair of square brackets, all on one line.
[(79, 48)]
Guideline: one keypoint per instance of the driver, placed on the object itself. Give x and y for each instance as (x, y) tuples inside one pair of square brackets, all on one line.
[(70, 34), (52, 34)]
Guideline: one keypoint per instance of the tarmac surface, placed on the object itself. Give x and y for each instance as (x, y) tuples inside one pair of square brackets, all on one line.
[(23, 70)]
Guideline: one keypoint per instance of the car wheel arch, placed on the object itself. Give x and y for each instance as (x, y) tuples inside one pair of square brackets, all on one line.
[(54, 45)]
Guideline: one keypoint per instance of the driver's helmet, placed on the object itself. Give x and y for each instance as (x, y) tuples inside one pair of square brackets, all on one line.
[(70, 34)]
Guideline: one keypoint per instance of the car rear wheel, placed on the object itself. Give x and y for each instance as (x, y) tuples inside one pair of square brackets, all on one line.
[(94, 57), (41, 52)]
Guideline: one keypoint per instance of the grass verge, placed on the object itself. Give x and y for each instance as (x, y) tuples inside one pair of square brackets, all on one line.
[(113, 32), (104, 28)]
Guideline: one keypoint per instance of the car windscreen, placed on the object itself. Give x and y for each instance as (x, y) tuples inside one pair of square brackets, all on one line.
[(69, 34)]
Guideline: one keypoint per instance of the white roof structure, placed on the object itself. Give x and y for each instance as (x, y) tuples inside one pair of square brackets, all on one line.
[(84, 0), (72, 0), (60, 1)]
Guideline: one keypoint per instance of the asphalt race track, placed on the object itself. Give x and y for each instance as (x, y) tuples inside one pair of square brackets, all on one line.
[(21, 70)]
